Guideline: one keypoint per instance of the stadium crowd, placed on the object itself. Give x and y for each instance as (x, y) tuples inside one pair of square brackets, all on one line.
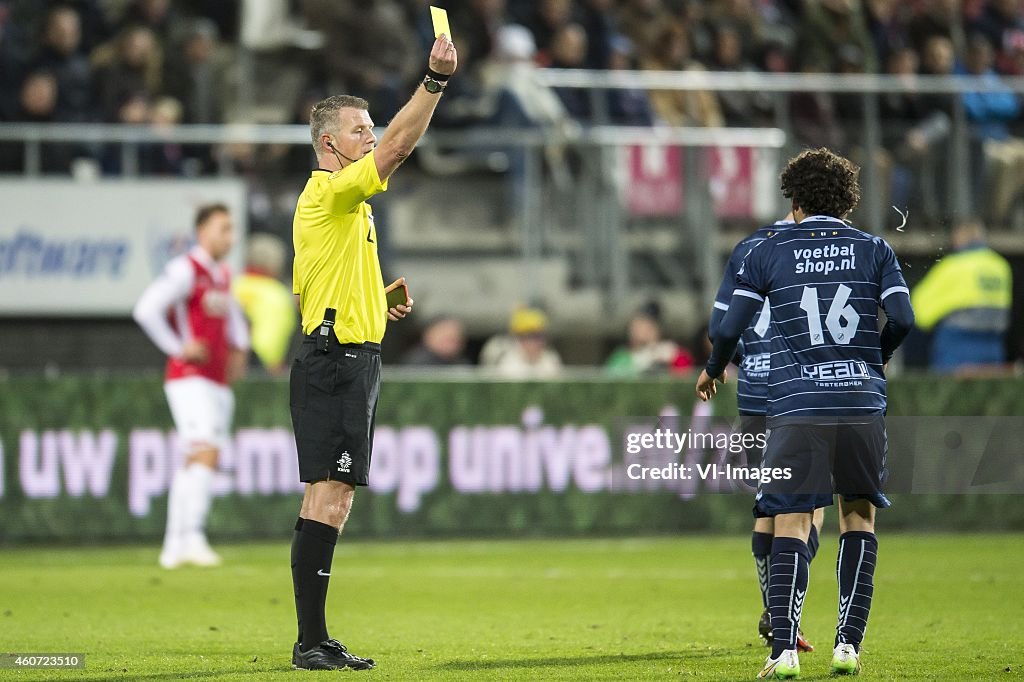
[(164, 61)]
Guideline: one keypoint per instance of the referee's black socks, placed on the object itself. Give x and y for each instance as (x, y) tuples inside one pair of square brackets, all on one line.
[(312, 555)]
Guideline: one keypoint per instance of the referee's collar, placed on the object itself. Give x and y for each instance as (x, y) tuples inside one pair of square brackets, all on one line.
[(324, 170)]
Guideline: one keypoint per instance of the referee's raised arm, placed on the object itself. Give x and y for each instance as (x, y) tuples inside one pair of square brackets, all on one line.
[(409, 124)]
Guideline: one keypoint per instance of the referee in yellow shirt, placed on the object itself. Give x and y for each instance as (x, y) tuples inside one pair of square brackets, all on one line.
[(335, 380)]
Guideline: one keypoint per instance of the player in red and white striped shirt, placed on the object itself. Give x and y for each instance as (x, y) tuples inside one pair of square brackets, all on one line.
[(189, 313)]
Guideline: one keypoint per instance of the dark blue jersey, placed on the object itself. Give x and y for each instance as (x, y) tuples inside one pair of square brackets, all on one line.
[(824, 281), (752, 377)]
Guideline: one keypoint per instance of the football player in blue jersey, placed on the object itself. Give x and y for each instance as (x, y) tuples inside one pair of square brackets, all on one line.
[(825, 281), (753, 361)]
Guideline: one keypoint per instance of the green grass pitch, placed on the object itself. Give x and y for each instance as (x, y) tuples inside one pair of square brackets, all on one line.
[(946, 607)]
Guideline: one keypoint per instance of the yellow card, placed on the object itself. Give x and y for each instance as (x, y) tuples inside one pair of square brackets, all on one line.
[(440, 19)]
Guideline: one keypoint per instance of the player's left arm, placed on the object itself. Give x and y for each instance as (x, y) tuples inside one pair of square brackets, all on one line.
[(894, 297), (742, 310), (724, 295), (747, 298)]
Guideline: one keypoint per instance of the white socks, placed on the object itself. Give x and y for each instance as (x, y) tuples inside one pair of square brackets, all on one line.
[(188, 503)]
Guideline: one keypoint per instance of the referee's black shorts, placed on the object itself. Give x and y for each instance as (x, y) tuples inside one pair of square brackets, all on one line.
[(333, 402)]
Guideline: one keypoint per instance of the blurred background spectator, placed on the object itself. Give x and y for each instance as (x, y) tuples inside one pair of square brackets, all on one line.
[(131, 64), (964, 303), (1002, 22), (443, 344), (267, 303), (37, 103), (368, 51), (669, 50), (61, 54), (197, 77), (990, 114), (646, 352), (524, 352)]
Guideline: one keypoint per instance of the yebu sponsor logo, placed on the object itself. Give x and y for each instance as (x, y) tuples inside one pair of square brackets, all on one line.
[(839, 370)]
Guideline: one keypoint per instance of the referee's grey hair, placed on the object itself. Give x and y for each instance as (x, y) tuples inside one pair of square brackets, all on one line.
[(324, 116)]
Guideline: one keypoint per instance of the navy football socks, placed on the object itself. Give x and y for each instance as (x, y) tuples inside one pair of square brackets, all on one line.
[(787, 587), (855, 568), (813, 541), (761, 548)]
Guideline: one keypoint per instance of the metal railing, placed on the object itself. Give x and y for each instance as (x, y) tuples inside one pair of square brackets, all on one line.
[(595, 211), (781, 86), (601, 253)]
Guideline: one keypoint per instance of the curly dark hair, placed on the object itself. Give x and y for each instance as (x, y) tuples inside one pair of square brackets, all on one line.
[(820, 182)]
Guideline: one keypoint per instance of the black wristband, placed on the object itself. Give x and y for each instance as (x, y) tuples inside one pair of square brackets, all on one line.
[(439, 77)]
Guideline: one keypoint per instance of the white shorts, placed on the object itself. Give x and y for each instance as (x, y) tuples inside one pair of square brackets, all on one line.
[(202, 410)]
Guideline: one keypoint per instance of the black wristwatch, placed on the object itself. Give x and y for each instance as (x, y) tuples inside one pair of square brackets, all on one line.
[(432, 85)]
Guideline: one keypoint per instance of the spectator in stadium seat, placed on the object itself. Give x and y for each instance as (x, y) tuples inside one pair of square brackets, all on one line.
[(670, 51), (597, 18), (741, 17), (1002, 22), (368, 50), (829, 25), (549, 19), (524, 353), (476, 29), (642, 21), (646, 351), (989, 111), (133, 109), (130, 64), (568, 50), (197, 78), (14, 58), (924, 148), (989, 114), (443, 345), (937, 18), (851, 115), (753, 109), (899, 112), (886, 27), (814, 115), (159, 16), (510, 95), (267, 303), (37, 103), (164, 157), (626, 107), (60, 54), (93, 19), (964, 301)]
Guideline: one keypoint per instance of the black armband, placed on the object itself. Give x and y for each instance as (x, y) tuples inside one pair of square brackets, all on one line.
[(440, 77)]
